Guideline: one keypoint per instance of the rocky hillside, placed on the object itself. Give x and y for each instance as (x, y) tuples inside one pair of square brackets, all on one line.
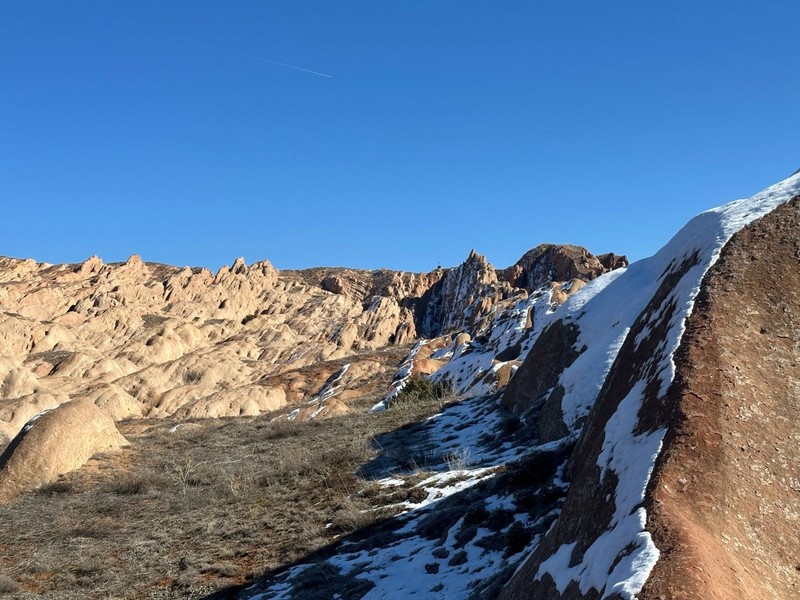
[(653, 450), (148, 340), (683, 479), (607, 430)]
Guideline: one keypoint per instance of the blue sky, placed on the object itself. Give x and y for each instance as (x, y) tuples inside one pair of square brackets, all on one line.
[(154, 127)]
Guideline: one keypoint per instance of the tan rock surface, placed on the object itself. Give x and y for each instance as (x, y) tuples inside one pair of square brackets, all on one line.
[(150, 340), (54, 443)]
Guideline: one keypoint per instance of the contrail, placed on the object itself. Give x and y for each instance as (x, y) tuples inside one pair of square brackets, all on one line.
[(280, 64), (227, 50)]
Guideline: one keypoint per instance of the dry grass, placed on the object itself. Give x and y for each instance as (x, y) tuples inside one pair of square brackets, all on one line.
[(211, 506)]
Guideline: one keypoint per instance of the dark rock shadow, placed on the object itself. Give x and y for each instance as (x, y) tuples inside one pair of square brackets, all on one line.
[(441, 530)]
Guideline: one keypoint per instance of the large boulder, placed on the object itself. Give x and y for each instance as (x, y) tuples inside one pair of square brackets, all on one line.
[(53, 443)]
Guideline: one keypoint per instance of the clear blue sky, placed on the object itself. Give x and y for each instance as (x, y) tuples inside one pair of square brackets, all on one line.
[(156, 128)]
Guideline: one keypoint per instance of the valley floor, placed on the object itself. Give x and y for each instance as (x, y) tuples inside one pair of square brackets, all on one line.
[(206, 508)]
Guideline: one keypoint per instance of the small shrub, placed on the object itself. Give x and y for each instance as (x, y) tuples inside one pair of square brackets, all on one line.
[(499, 519), (351, 515), (419, 388), (280, 428), (459, 558), (417, 495), (458, 460), (517, 537), (138, 484), (184, 472), (476, 516), (247, 319), (192, 376), (227, 570), (52, 489)]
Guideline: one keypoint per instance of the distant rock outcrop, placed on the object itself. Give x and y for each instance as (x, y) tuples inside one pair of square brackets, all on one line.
[(150, 340), (460, 297), (558, 262)]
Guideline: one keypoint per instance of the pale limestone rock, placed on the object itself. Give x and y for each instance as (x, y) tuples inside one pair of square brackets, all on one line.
[(145, 339), (14, 413), (55, 443)]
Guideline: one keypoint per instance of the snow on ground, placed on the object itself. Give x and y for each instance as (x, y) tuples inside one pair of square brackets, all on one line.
[(468, 526), (470, 363), (605, 311)]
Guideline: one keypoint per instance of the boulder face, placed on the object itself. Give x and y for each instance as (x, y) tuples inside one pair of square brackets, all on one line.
[(53, 443), (724, 499), (682, 393)]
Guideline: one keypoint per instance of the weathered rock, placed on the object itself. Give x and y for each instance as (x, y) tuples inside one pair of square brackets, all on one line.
[(54, 443), (554, 262), (723, 499), (700, 418), (146, 339), (535, 385), (426, 366), (612, 261)]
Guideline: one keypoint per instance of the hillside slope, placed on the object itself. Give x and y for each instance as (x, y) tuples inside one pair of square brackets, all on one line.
[(607, 430), (144, 340)]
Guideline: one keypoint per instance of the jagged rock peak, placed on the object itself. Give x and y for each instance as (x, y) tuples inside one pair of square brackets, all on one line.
[(558, 262), (463, 295), (91, 265), (239, 266)]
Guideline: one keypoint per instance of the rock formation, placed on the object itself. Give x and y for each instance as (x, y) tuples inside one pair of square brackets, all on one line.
[(622, 431), (683, 480), (150, 340), (53, 443), (558, 262)]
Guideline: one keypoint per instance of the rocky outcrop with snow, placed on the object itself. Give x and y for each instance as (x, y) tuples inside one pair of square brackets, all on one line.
[(653, 454), (618, 384)]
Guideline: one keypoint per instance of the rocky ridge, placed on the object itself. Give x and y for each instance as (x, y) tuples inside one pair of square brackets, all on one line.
[(150, 340)]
